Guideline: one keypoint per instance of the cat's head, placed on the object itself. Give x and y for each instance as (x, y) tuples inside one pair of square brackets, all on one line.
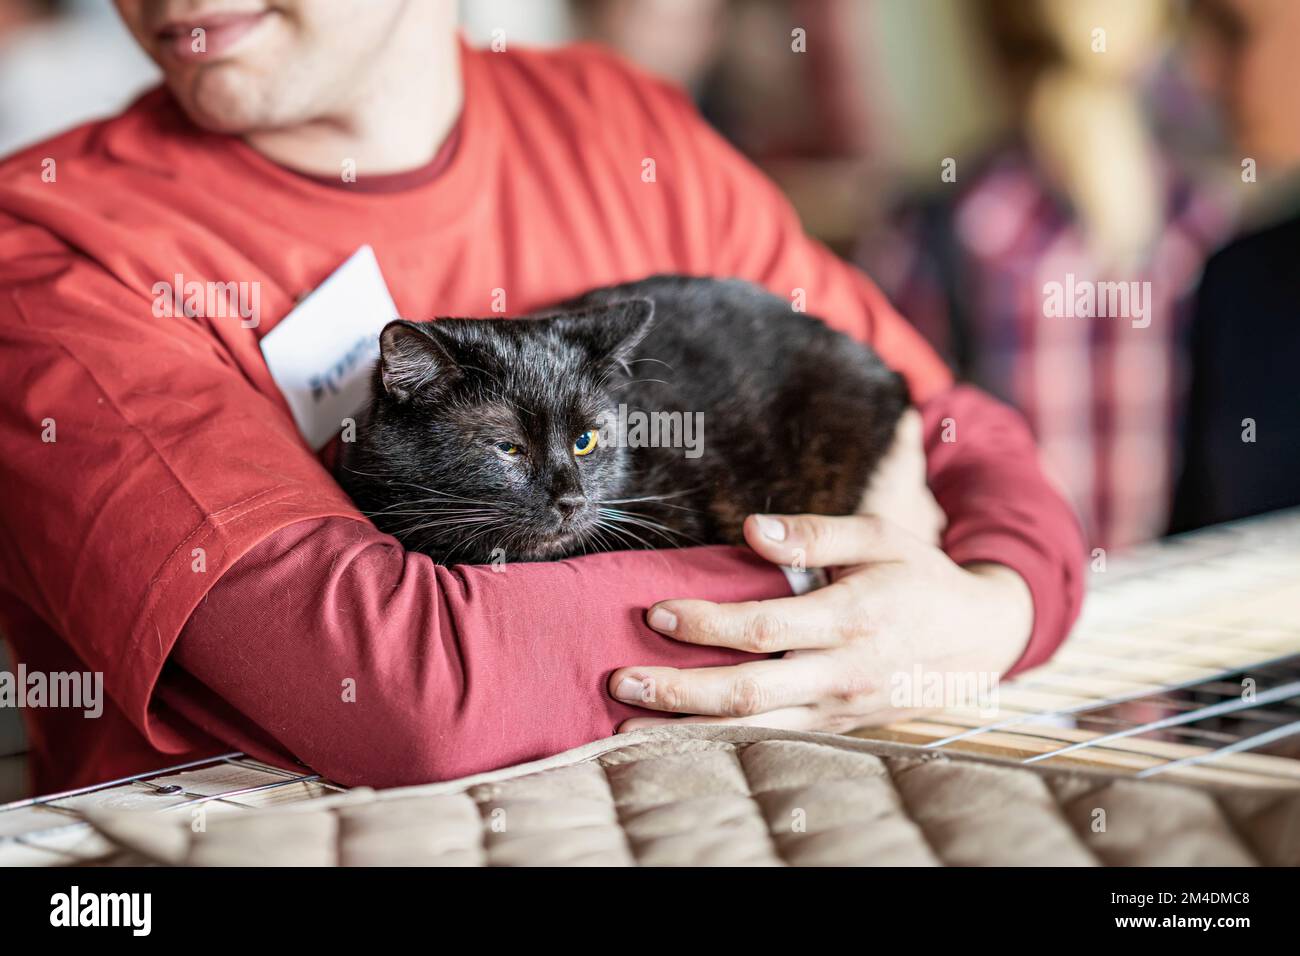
[(483, 440)]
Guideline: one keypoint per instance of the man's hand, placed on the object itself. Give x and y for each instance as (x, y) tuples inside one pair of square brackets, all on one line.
[(894, 602)]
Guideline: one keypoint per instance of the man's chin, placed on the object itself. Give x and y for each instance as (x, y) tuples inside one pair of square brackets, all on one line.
[(223, 98)]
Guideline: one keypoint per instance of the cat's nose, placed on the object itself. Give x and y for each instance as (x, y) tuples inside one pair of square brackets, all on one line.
[(569, 505)]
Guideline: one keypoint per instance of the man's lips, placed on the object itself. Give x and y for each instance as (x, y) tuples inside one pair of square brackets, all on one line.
[(221, 31)]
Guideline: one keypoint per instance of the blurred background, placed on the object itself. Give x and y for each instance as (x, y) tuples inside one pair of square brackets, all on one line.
[(964, 153)]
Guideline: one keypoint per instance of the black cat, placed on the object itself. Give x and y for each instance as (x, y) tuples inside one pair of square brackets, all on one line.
[(657, 413)]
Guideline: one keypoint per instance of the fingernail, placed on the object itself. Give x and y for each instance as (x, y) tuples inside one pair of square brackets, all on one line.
[(630, 691), (663, 620), (770, 527)]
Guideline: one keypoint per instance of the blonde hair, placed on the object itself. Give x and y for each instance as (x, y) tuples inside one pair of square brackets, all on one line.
[(1070, 66)]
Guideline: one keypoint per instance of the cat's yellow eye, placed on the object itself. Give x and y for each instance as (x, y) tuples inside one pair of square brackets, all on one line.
[(586, 442), (507, 448)]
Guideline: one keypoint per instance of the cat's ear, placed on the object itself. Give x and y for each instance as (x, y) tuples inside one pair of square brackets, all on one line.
[(611, 332), (413, 359)]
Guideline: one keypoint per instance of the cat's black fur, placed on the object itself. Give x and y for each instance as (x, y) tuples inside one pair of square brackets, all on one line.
[(795, 419)]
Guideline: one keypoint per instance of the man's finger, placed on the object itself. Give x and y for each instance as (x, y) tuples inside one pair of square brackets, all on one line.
[(808, 621), (741, 690), (824, 541)]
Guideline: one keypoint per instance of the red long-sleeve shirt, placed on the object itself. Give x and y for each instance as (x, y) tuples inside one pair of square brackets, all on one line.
[(177, 496)]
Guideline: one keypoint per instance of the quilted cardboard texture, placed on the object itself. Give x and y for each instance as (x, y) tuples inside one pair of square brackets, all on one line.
[(722, 796)]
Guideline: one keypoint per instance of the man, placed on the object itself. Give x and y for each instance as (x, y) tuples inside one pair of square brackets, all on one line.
[(166, 524), (1242, 432)]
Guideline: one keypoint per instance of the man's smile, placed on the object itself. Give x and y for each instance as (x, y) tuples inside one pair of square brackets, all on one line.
[(221, 33)]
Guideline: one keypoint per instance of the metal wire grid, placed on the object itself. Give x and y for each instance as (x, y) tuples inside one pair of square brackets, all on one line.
[(1275, 707), (48, 838)]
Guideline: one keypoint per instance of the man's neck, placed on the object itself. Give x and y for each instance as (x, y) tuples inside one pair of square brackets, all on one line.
[(399, 114)]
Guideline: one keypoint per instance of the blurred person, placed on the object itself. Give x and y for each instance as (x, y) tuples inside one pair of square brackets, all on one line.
[(798, 118), (1243, 422), (63, 62), (1080, 195), (734, 59), (676, 39), (166, 525)]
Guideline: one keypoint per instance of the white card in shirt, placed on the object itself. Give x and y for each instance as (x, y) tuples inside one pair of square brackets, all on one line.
[(322, 353)]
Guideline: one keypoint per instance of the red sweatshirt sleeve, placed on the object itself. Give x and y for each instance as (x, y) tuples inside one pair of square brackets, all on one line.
[(982, 467), (399, 670)]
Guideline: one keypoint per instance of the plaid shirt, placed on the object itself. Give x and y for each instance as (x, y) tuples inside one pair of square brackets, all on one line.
[(1103, 397)]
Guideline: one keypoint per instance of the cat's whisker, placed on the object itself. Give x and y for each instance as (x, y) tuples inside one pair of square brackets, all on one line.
[(634, 514), (434, 492), (414, 507), (639, 381), (627, 531), (436, 522), (435, 495), (650, 524), (451, 513), (434, 508), (474, 537), (671, 494), (660, 499), (659, 361), (615, 534), (625, 517), (591, 536), (450, 499), (600, 536), (488, 526)]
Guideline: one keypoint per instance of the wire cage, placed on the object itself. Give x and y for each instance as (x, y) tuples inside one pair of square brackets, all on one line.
[(50, 830), (1185, 662)]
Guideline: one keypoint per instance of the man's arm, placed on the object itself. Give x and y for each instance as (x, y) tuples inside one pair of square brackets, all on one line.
[(147, 484), (983, 467), (375, 666)]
